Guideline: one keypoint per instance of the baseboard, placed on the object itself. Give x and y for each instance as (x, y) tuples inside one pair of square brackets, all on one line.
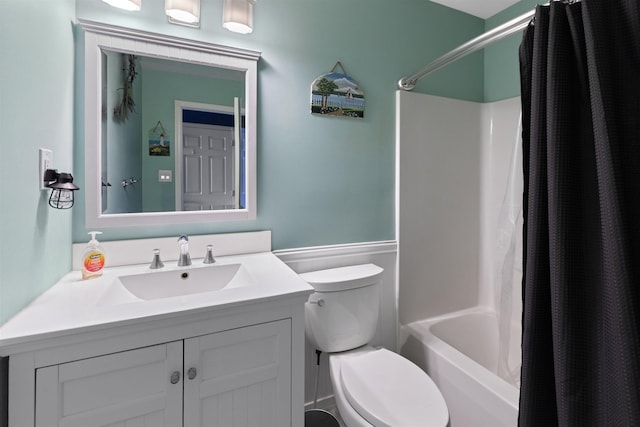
[(327, 403)]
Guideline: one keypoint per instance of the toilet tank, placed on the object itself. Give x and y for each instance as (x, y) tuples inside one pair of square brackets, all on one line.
[(342, 313)]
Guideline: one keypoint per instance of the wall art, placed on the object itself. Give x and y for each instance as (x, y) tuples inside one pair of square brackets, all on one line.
[(159, 145), (337, 94)]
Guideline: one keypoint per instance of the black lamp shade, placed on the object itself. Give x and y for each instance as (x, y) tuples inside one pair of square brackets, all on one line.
[(64, 181)]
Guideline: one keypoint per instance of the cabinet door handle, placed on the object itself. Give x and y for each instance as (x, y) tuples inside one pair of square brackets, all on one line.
[(175, 377), (191, 373)]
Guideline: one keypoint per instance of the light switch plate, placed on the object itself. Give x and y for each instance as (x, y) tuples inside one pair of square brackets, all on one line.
[(46, 162), (165, 175)]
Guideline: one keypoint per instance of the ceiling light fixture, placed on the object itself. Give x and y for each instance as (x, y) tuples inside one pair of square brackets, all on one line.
[(185, 12), (125, 4), (237, 16)]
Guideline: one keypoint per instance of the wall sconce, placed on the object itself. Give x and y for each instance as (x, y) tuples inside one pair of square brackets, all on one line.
[(237, 15), (185, 12), (125, 4), (62, 188)]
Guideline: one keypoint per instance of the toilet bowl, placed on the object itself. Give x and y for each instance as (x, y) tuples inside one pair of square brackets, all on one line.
[(380, 388), (372, 386)]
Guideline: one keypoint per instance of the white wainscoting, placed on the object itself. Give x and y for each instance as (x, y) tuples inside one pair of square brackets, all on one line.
[(383, 254)]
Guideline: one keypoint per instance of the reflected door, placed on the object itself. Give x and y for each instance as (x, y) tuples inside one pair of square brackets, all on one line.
[(208, 167)]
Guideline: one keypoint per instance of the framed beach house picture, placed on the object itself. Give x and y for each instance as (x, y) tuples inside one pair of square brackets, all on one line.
[(337, 94)]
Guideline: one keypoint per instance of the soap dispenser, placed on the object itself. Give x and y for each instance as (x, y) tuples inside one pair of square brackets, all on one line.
[(93, 258)]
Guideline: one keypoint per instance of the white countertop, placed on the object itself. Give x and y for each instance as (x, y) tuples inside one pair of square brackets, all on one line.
[(74, 305)]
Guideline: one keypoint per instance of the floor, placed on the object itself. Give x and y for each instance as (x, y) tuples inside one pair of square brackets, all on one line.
[(334, 411), (329, 406)]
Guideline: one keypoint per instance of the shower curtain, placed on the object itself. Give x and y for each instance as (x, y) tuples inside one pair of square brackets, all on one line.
[(508, 267), (580, 77)]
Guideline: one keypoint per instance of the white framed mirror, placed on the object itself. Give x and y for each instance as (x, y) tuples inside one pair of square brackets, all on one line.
[(170, 129)]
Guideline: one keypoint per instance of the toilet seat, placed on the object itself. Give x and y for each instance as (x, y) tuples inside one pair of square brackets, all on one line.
[(389, 390)]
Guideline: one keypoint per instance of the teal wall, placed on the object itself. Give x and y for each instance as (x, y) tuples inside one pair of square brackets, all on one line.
[(501, 66), (320, 180), (36, 110)]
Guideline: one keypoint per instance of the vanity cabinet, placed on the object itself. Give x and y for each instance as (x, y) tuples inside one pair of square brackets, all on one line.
[(236, 377), (91, 354)]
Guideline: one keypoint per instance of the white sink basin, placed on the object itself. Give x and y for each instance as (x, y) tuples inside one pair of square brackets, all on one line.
[(167, 284)]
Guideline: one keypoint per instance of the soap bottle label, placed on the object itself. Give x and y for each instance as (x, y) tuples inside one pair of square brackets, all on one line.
[(94, 261)]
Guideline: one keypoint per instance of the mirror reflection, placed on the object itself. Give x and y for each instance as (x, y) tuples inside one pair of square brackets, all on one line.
[(173, 135)]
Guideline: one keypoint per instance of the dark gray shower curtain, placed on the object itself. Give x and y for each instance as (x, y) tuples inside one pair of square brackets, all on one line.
[(580, 78)]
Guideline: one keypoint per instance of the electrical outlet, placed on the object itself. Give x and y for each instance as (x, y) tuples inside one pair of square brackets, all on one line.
[(46, 162)]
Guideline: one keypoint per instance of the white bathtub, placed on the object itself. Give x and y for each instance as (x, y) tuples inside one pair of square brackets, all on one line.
[(460, 352)]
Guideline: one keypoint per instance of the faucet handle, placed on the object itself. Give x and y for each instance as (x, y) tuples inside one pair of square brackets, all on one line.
[(209, 259), (156, 262)]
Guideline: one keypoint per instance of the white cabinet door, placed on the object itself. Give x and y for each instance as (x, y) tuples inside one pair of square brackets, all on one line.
[(239, 378), (127, 389)]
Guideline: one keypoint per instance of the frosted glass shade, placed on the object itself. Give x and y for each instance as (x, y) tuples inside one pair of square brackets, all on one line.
[(186, 11), (125, 4), (237, 16)]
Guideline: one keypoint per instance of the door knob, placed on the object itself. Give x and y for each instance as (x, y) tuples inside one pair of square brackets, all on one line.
[(191, 373), (175, 377)]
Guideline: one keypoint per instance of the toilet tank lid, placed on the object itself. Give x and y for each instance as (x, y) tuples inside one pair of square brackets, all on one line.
[(343, 278)]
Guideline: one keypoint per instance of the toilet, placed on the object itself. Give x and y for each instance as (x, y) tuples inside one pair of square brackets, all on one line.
[(372, 386)]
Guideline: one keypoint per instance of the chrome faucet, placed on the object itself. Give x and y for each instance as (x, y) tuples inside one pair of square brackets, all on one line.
[(209, 259), (184, 259), (156, 263)]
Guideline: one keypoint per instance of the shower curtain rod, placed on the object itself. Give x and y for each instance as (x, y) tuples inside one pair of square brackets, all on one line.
[(473, 45)]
